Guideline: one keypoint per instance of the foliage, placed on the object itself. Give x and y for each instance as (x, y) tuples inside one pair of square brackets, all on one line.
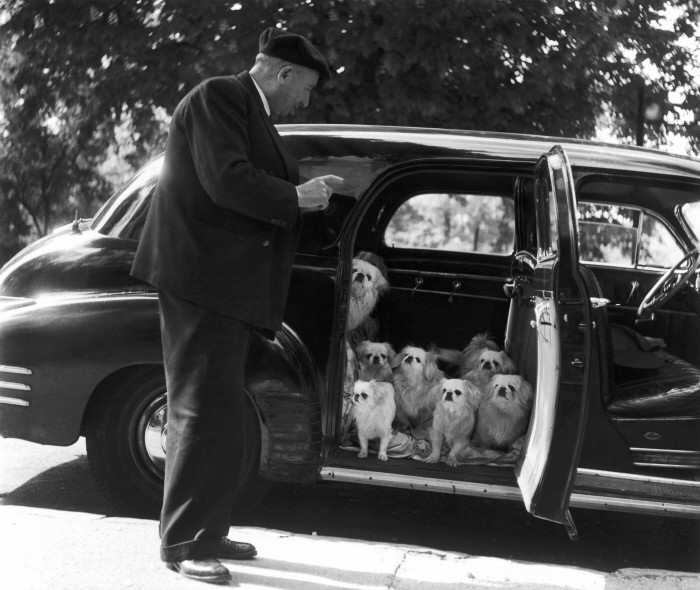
[(75, 73)]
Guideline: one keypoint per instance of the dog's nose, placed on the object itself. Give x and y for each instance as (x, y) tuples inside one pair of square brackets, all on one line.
[(448, 396), (359, 277), (487, 365), (408, 359), (502, 392), (376, 360)]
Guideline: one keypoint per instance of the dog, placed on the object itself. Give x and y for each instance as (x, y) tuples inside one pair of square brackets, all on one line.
[(490, 363), (503, 413), (476, 346), (417, 380), (373, 410), (369, 283), (375, 360), (454, 419)]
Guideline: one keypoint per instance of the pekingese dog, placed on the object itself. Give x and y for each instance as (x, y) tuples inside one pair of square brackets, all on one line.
[(369, 282), (504, 411), (453, 419), (375, 360), (490, 363), (417, 380), (373, 409), (476, 346)]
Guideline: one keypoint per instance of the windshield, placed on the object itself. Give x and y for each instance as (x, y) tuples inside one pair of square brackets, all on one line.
[(124, 214), (691, 214)]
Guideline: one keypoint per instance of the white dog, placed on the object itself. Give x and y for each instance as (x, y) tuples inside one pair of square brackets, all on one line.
[(373, 409), (369, 282), (375, 360), (490, 363), (476, 346), (504, 412), (454, 419), (417, 379)]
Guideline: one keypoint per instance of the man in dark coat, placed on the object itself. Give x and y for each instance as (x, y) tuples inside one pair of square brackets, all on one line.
[(218, 244)]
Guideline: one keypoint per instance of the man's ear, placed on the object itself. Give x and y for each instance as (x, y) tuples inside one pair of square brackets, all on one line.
[(284, 74)]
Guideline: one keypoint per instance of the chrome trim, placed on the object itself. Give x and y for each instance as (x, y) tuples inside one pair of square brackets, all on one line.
[(624, 505), (13, 401), (11, 385), (639, 478), (425, 484), (16, 370)]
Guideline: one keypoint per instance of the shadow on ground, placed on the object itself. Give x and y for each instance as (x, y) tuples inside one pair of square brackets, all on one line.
[(608, 541)]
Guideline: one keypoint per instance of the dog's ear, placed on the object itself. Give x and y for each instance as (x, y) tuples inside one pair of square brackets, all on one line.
[(362, 347), (430, 367), (396, 359), (390, 352), (507, 364), (526, 393)]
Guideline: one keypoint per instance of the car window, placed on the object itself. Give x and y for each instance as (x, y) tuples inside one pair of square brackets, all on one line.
[(625, 236), (457, 222)]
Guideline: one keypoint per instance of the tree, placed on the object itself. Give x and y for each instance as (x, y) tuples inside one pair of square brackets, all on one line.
[(536, 66)]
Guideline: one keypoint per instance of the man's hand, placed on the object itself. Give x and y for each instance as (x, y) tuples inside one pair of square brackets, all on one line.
[(315, 193)]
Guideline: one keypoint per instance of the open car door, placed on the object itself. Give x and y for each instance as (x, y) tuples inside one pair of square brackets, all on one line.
[(563, 323)]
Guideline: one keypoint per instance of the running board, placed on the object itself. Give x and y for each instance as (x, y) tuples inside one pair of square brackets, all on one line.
[(593, 489)]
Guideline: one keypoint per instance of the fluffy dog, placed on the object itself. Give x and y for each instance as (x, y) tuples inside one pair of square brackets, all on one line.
[(417, 379), (369, 282), (375, 360), (476, 346), (373, 409), (490, 363), (504, 411), (454, 419)]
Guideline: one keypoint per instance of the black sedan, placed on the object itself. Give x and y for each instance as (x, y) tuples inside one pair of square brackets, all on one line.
[(579, 259)]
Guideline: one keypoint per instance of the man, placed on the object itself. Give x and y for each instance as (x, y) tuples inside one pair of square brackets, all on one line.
[(219, 243)]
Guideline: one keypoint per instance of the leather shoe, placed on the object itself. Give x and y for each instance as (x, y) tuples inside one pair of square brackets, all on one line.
[(204, 570), (228, 549)]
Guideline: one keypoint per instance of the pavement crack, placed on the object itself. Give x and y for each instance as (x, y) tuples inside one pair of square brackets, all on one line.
[(396, 570)]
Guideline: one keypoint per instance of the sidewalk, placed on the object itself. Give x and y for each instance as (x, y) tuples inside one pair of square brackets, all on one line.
[(56, 550)]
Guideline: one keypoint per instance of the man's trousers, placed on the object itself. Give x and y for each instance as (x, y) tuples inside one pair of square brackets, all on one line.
[(205, 356)]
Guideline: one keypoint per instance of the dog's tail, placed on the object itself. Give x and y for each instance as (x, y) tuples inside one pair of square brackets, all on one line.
[(481, 341), (451, 360)]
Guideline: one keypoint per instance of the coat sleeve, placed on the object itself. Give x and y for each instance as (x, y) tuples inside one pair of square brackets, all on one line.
[(215, 120)]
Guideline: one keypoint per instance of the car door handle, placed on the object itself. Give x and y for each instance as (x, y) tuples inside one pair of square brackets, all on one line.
[(455, 286)]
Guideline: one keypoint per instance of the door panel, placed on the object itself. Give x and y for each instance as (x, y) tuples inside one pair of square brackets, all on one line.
[(563, 324)]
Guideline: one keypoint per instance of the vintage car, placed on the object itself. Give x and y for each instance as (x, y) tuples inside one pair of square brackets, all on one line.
[(579, 258)]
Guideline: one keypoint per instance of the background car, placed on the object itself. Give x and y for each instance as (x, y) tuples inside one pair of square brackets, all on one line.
[(579, 258)]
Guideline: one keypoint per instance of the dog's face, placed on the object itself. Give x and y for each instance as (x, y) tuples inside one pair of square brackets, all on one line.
[(458, 394), (379, 354), (367, 280), (496, 361), (507, 390), (417, 363), (368, 393)]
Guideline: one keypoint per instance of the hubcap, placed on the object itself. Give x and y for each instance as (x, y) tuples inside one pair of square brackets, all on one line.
[(152, 433)]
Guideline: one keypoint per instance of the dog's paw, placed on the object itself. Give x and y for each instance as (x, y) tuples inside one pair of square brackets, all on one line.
[(382, 456), (452, 461), (432, 458), (362, 454)]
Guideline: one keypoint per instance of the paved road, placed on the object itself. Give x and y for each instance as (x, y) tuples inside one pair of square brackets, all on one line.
[(59, 478)]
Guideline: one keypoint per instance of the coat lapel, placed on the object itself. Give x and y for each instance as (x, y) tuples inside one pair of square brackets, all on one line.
[(289, 161)]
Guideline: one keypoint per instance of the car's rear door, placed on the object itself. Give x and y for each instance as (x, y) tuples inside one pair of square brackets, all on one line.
[(563, 324)]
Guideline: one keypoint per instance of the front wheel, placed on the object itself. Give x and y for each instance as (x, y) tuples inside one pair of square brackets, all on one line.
[(126, 430)]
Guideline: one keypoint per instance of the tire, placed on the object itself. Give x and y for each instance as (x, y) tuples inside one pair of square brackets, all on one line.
[(126, 426)]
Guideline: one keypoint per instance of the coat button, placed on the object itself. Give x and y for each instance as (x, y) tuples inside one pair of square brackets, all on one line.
[(266, 243)]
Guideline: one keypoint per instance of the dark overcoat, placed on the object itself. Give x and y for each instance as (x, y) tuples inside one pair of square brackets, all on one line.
[(224, 222)]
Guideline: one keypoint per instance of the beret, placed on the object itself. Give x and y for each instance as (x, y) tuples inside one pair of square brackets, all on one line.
[(293, 48)]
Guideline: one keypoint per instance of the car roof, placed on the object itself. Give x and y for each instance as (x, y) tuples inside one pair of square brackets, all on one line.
[(593, 155)]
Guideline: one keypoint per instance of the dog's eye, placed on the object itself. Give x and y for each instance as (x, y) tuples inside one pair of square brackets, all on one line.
[(458, 392), (364, 396), (369, 355), (511, 388)]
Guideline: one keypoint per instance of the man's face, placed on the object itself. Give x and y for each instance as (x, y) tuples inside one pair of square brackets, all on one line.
[(295, 84)]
